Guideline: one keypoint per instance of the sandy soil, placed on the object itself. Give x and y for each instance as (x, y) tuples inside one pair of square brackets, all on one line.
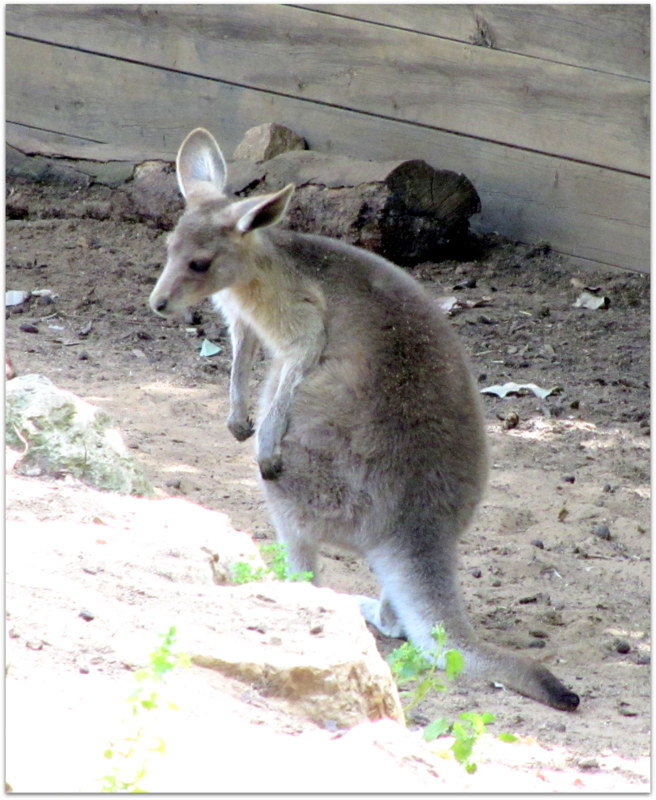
[(558, 561)]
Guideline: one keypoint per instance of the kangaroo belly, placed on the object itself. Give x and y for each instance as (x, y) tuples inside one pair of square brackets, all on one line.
[(356, 458)]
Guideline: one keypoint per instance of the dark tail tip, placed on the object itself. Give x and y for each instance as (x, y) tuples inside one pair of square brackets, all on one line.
[(559, 696)]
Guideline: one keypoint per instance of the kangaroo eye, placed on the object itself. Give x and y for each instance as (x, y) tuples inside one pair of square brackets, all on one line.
[(202, 265)]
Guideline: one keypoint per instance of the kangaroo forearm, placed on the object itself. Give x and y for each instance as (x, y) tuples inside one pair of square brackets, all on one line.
[(244, 348)]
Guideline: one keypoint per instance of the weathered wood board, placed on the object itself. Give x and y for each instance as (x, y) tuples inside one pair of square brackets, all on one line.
[(452, 86), (556, 151), (609, 37)]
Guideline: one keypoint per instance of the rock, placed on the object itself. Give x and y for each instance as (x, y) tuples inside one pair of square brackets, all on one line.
[(62, 434), (337, 677), (266, 141), (621, 646), (152, 196), (602, 531)]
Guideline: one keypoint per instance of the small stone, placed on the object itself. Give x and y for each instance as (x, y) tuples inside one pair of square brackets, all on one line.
[(621, 646), (626, 710), (602, 531), (87, 616), (569, 478), (315, 630), (511, 421), (537, 643), (588, 763), (83, 357), (83, 669), (553, 618), (538, 543), (539, 634), (476, 573), (266, 141), (14, 634), (28, 327), (644, 659), (532, 598), (34, 644)]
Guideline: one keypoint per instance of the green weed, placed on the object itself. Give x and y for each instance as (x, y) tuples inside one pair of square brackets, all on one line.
[(275, 555), (410, 665), (130, 755)]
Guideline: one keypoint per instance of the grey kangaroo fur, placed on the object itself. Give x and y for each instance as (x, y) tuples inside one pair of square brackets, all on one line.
[(369, 432)]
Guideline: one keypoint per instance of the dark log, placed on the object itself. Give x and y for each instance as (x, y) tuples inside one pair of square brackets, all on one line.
[(405, 210)]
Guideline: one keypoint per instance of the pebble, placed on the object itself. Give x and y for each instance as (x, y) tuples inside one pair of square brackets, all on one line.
[(83, 669), (588, 763), (569, 478), (537, 643), (476, 573), (621, 646), (539, 634), (27, 327), (626, 710), (511, 421), (87, 616), (315, 630), (538, 543), (602, 531)]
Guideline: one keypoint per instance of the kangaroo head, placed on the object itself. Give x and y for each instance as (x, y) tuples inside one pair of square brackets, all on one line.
[(212, 245)]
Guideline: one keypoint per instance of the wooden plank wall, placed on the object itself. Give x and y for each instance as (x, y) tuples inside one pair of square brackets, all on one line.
[(544, 107)]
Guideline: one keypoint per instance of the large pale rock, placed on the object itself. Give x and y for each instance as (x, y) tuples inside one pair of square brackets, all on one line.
[(266, 141), (61, 434), (307, 645)]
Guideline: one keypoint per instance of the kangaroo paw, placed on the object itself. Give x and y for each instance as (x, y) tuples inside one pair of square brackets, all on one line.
[(370, 608), (241, 429)]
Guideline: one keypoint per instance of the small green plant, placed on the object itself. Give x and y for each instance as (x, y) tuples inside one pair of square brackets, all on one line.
[(277, 565), (466, 733), (410, 665), (131, 755), (243, 572)]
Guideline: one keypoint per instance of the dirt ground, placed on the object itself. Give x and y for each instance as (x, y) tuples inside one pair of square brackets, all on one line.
[(557, 563)]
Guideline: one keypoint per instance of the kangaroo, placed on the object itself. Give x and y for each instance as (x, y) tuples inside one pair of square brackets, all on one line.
[(369, 432)]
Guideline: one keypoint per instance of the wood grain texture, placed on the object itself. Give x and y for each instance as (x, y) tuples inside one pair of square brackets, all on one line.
[(392, 74), (590, 212), (611, 38)]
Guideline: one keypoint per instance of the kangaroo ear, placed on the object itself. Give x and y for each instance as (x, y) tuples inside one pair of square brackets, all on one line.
[(259, 212), (200, 163)]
